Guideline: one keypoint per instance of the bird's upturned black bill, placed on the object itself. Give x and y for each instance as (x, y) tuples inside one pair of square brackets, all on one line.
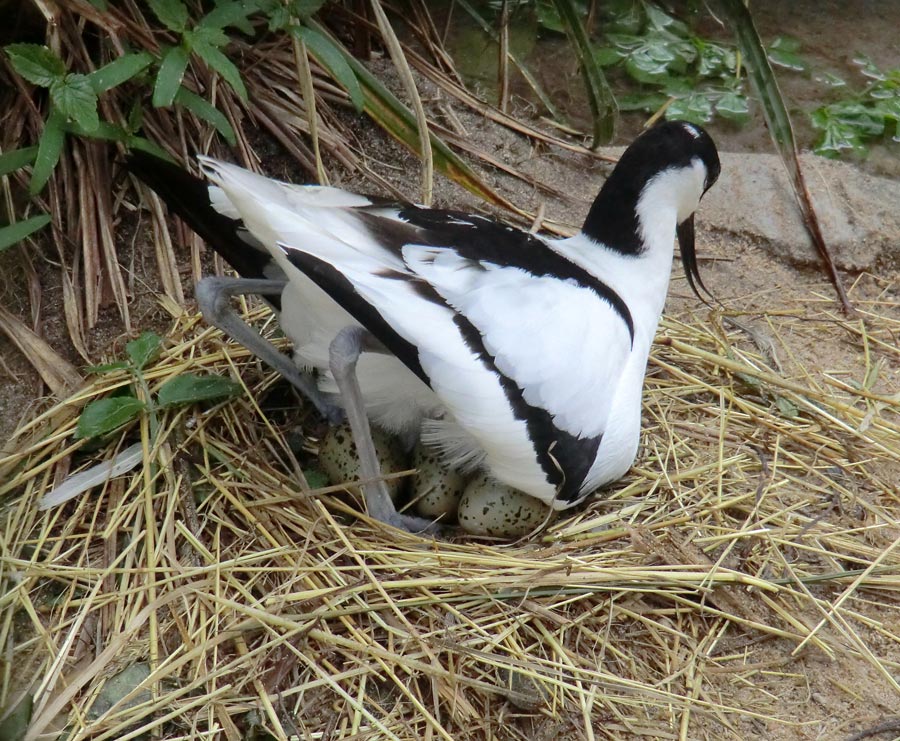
[(685, 233)]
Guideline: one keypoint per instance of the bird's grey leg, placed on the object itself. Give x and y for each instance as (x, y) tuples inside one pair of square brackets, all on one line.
[(344, 353), (213, 295)]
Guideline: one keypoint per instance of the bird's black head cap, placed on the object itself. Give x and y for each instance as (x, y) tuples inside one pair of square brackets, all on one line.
[(613, 218)]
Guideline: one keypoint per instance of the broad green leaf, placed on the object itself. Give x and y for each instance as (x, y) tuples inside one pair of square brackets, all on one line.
[(315, 478), (105, 415), (145, 145), (13, 233), (734, 107), (647, 102), (330, 57), (716, 60), (607, 56), (787, 408), (868, 67), (170, 75), (210, 35), (231, 13), (661, 21), (831, 80), (223, 65), (36, 63), (189, 388), (116, 688), (144, 349), (16, 159), (623, 16), (49, 149), (788, 60), (695, 108), (105, 131), (173, 14), (15, 721), (206, 111), (74, 96), (304, 9), (119, 71)]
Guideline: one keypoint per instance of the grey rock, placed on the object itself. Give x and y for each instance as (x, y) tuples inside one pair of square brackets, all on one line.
[(859, 213)]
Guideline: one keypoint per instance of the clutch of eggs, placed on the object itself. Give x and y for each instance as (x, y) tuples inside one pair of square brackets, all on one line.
[(481, 505)]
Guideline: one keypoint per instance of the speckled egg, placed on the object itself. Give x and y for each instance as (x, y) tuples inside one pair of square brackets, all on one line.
[(490, 508), (339, 461), (438, 490)]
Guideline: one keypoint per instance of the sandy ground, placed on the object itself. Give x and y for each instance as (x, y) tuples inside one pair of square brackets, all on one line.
[(817, 697)]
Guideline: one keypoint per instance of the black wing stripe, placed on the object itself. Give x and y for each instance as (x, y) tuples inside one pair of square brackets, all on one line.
[(339, 287), (556, 450), (480, 240)]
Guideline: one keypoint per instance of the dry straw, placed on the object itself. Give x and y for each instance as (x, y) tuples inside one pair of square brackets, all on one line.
[(756, 535)]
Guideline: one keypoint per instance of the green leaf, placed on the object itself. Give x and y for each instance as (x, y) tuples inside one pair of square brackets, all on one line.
[(105, 415), (36, 63), (144, 349), (228, 14), (105, 131), (16, 159), (221, 64), (13, 233), (607, 56), (695, 108), (119, 71), (783, 53), (49, 149), (209, 113), (173, 14), (74, 96), (15, 721), (190, 388), (716, 60), (787, 407), (304, 9), (623, 16), (831, 80), (209, 35), (734, 107), (145, 145), (662, 21), (315, 478), (646, 102), (330, 57), (170, 75)]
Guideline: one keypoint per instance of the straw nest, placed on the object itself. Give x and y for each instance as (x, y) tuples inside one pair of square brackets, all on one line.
[(745, 565)]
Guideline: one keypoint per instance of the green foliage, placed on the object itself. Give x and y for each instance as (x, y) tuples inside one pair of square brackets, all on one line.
[(867, 115), (664, 63), (699, 78), (103, 416), (14, 721), (189, 388), (74, 96)]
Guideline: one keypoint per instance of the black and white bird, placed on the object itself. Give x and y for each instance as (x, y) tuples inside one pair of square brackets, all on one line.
[(516, 353)]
